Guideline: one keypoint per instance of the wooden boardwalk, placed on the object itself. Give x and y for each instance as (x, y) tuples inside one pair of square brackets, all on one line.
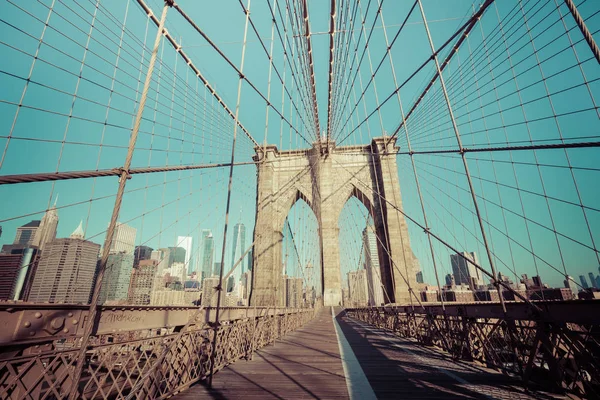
[(307, 365), (304, 365)]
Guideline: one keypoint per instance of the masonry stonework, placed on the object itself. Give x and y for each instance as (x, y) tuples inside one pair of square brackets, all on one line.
[(326, 177)]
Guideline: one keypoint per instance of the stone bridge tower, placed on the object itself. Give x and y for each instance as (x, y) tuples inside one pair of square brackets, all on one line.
[(326, 177)]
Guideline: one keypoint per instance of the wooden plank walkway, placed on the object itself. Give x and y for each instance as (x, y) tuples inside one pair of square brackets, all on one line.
[(306, 364)]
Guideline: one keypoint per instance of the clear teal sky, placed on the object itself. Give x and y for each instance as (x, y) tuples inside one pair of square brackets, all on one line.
[(183, 125)]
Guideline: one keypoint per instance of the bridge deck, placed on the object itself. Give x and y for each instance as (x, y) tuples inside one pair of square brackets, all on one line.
[(307, 364)]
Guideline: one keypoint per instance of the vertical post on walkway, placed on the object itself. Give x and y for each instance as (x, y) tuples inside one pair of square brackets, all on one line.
[(81, 358), (464, 159), (220, 285)]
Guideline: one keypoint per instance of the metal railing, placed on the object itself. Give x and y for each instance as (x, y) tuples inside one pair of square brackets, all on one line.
[(557, 347), (134, 352)]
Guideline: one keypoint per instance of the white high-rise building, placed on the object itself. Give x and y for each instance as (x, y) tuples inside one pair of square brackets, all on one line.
[(371, 258), (123, 239), (185, 242), (178, 271)]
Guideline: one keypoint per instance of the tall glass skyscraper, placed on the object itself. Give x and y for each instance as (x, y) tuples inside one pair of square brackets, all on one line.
[(208, 253), (239, 245)]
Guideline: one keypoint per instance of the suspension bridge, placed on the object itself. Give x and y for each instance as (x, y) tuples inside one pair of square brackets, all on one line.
[(418, 180)]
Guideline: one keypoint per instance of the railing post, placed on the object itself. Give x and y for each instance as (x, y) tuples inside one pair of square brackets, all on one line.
[(87, 332)]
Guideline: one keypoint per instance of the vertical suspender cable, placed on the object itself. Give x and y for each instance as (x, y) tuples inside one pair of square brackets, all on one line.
[(464, 160), (117, 208), (220, 284)]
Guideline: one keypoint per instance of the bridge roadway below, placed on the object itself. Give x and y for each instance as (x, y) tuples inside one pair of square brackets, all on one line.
[(341, 358)]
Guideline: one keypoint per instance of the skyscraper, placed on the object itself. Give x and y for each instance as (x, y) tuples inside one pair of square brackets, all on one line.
[(239, 246), (117, 276), (592, 280), (46, 232), (176, 255), (371, 257), (26, 234), (449, 280), (29, 257), (570, 284), (208, 250), (250, 259), (65, 273), (464, 272), (123, 239), (217, 268), (185, 242), (9, 267), (142, 253), (162, 256), (583, 281), (142, 282)]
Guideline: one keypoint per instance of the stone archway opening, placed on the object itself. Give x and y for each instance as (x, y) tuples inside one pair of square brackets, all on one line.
[(360, 270), (301, 256)]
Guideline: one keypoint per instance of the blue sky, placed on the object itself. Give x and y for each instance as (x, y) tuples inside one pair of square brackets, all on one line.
[(497, 100)]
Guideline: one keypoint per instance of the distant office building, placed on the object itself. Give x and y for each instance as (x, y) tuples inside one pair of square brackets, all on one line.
[(357, 288), (185, 242), (209, 293), (239, 245), (208, 254), (178, 271), (449, 280), (420, 277), (117, 276), (17, 269), (230, 284), (537, 281), (66, 270), (142, 282), (593, 280), (46, 231), (570, 284), (250, 259), (217, 268), (26, 234), (246, 285), (162, 256), (176, 255), (583, 281), (464, 272), (142, 253), (372, 267), (167, 297), (9, 268), (294, 292), (124, 239)]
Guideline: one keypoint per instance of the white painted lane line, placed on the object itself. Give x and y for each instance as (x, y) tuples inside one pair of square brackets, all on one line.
[(394, 343), (358, 385)]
